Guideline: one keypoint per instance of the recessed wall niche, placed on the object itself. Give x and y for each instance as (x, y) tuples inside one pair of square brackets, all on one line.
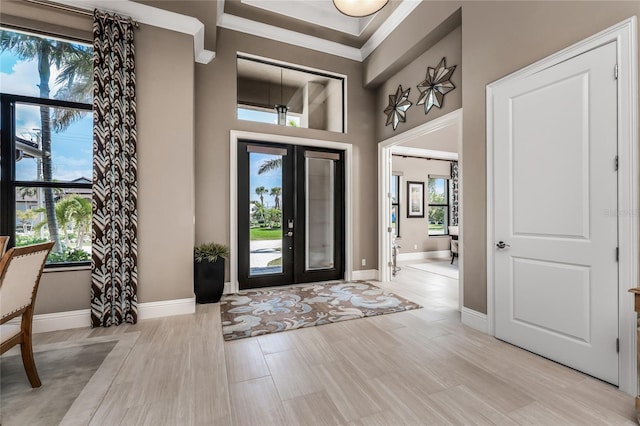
[(284, 94)]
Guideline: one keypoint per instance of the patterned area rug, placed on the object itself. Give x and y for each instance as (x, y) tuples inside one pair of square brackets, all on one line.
[(262, 311)]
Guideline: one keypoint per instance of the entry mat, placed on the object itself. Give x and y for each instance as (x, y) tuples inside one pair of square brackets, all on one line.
[(262, 311)]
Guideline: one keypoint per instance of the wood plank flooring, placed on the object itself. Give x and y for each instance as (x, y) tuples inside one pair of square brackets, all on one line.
[(420, 367)]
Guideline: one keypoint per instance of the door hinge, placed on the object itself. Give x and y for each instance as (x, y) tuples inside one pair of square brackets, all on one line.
[(616, 163), (389, 229), (615, 71), (617, 254), (390, 264), (618, 345)]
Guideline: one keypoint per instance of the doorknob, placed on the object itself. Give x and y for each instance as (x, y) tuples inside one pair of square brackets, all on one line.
[(290, 234), (501, 245)]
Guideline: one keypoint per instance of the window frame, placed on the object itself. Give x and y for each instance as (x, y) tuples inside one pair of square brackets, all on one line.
[(300, 68), (446, 205), (8, 182)]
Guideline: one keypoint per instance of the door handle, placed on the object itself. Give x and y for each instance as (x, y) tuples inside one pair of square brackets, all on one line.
[(290, 234), (501, 245)]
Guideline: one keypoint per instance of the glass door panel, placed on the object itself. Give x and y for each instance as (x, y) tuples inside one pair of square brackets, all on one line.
[(265, 202), (319, 223), (265, 224)]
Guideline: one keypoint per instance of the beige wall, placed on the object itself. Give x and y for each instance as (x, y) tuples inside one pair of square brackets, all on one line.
[(166, 203), (216, 116), (414, 231), (165, 86), (426, 26), (450, 48), (498, 38)]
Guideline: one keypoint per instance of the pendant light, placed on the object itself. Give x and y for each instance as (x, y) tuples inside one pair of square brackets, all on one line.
[(359, 8), (280, 108)]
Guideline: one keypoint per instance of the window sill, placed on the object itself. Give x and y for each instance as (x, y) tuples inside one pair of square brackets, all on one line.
[(69, 268)]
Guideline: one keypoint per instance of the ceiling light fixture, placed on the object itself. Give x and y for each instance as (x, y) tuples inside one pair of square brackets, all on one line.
[(359, 8), (281, 109)]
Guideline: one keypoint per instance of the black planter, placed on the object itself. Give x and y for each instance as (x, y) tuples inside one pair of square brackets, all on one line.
[(208, 280)]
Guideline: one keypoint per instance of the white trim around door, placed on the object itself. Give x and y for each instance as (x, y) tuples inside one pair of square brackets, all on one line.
[(384, 204), (235, 136), (625, 36)]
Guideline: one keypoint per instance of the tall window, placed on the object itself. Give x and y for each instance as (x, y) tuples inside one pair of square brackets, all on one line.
[(438, 206), (395, 204), (46, 158)]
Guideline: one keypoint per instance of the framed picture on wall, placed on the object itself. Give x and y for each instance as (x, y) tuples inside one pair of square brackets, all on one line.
[(415, 199)]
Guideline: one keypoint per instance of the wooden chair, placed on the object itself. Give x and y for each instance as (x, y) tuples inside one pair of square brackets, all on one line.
[(4, 241), (20, 272)]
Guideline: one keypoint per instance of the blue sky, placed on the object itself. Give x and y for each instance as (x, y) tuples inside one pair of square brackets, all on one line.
[(269, 180), (71, 148)]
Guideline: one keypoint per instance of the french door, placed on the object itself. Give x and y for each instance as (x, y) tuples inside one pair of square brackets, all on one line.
[(290, 214)]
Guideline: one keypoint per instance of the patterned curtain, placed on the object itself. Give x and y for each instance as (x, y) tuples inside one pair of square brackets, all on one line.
[(453, 193), (114, 279)]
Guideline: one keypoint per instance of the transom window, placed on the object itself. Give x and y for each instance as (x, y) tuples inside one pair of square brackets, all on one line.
[(289, 96)]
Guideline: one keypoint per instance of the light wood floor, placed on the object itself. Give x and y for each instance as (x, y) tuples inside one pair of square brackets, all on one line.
[(417, 367)]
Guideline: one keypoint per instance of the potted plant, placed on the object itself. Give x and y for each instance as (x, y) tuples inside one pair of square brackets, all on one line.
[(208, 277)]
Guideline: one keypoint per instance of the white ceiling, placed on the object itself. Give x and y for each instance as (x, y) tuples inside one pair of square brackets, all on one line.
[(319, 12)]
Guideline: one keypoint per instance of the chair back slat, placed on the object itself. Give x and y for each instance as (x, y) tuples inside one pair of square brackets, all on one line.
[(20, 272)]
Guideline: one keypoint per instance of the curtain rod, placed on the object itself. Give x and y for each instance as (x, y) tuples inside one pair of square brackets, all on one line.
[(61, 7), (421, 158)]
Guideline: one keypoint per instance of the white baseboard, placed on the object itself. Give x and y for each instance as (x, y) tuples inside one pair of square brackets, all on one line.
[(43, 323), (476, 320), (227, 288), (166, 308), (59, 321), (420, 255), (367, 274)]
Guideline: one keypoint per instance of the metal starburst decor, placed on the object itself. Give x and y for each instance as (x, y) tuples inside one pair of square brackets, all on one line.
[(398, 106), (435, 86)]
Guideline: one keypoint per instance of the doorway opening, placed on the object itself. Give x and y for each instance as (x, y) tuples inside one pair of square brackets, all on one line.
[(417, 218)]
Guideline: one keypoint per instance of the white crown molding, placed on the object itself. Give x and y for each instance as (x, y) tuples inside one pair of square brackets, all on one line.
[(232, 22), (427, 153), (152, 16), (236, 23), (402, 11)]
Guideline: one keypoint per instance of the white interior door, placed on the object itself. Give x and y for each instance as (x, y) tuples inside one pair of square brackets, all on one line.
[(555, 189)]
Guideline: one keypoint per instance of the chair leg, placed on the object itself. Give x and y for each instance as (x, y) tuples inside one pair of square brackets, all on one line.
[(453, 255), (26, 348)]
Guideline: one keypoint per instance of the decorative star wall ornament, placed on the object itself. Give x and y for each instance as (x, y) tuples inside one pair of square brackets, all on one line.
[(435, 86), (398, 106)]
